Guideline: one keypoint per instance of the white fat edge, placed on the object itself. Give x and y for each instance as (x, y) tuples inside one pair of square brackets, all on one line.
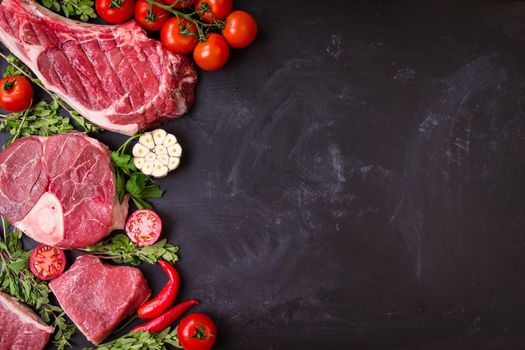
[(19, 309), (119, 213)]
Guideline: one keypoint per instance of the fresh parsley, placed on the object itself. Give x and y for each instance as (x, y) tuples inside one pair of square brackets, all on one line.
[(41, 119), (142, 341), (17, 280), (131, 181), (122, 250), (83, 9)]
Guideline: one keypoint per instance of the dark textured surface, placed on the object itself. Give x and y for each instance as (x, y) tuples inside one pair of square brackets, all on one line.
[(356, 179)]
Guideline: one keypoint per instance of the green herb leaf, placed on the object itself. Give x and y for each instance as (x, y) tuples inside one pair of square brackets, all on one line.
[(17, 280), (122, 250), (83, 9), (142, 341)]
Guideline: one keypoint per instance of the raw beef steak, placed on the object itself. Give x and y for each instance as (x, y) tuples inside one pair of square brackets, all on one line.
[(97, 297), (60, 190), (114, 75), (20, 327)]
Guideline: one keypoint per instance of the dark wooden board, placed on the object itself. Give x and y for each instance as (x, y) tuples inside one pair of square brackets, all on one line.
[(356, 179)]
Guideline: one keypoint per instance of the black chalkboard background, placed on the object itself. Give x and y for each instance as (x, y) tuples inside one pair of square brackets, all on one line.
[(356, 179)]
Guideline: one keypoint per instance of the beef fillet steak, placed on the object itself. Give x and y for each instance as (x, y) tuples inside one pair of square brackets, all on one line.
[(20, 327), (97, 297), (60, 190), (115, 76)]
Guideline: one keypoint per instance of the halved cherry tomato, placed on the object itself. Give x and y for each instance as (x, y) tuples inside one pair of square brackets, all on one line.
[(173, 40), (240, 29), (150, 20), (218, 9), (179, 4), (144, 227), (213, 53), (115, 11), (16, 93), (47, 262), (197, 332)]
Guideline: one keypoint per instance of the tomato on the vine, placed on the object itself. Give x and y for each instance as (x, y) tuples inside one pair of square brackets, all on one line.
[(218, 9), (16, 93), (197, 332), (115, 11), (240, 29), (179, 4), (150, 20), (176, 40), (213, 53)]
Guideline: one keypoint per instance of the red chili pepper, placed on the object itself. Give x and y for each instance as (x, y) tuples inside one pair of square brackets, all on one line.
[(166, 297), (166, 319)]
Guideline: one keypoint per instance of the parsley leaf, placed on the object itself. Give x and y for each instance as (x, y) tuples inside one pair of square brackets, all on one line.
[(132, 181), (83, 9), (41, 119), (122, 250)]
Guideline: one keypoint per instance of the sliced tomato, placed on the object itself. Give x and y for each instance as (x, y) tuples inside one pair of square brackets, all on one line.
[(47, 262), (144, 227)]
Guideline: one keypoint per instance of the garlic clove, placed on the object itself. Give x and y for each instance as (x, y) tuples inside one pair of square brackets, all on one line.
[(159, 169), (173, 163), (139, 162), (160, 150), (175, 150), (164, 159), (147, 140), (139, 150), (147, 168), (169, 140), (158, 136)]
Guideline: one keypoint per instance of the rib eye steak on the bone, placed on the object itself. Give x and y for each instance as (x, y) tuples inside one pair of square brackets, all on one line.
[(60, 190), (115, 76)]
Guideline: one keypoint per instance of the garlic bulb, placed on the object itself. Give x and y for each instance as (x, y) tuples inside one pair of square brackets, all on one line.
[(157, 153)]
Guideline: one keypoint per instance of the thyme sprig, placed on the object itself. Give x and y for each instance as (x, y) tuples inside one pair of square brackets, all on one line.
[(143, 341)]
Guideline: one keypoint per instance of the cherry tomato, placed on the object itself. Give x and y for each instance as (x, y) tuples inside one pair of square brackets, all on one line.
[(213, 53), (219, 9), (197, 332), (16, 93), (47, 262), (144, 227), (151, 21), (179, 4), (115, 11), (240, 29), (173, 40)]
